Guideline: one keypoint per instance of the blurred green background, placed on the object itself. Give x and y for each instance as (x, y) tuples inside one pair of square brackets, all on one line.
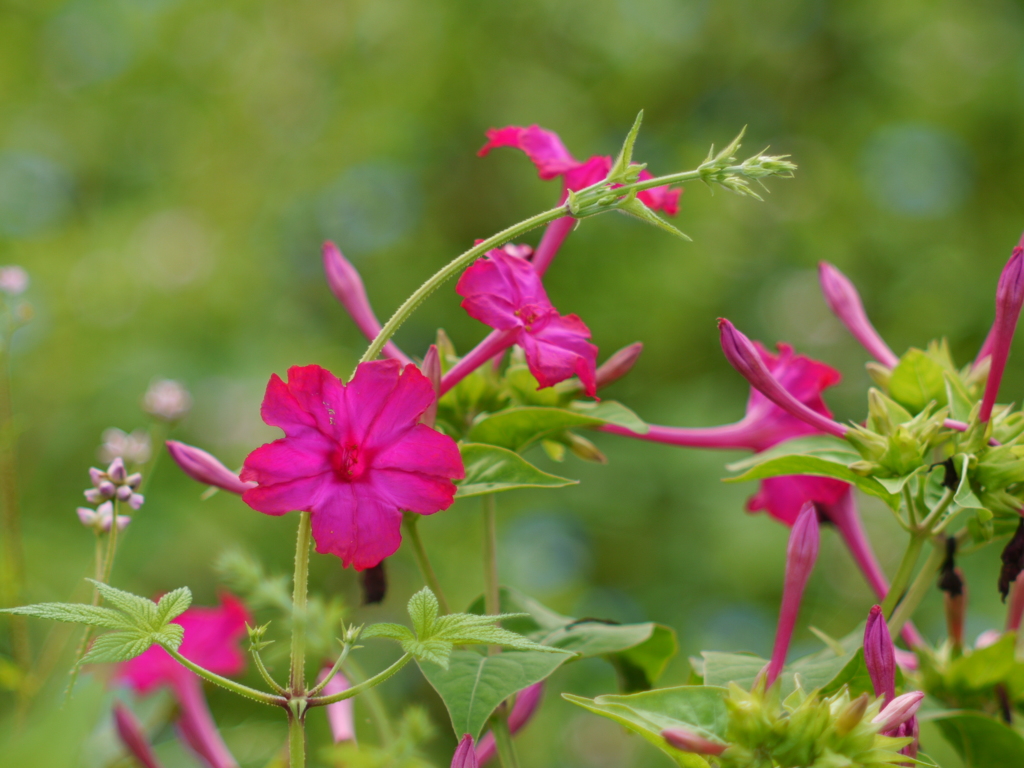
[(169, 168)]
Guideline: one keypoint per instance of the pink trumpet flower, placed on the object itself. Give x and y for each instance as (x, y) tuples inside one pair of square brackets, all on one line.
[(354, 456), (527, 701), (688, 741), (347, 287), (205, 468), (340, 714), (845, 302), (745, 358), (1009, 298), (801, 555), (211, 641), (879, 655), (465, 755), (133, 736), (506, 293)]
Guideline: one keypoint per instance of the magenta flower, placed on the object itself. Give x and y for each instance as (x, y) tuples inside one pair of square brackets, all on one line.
[(1009, 298), (205, 468), (354, 456), (801, 554), (465, 755), (527, 701), (845, 302), (340, 714), (211, 641), (506, 293), (347, 286), (546, 150), (879, 655), (133, 736)]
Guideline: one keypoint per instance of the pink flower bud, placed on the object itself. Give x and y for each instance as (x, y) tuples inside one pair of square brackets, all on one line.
[(745, 358), (1009, 298), (879, 656), (618, 365), (87, 516), (13, 280), (167, 400), (527, 701), (204, 468), (124, 493), (116, 471), (97, 476), (801, 554), (432, 370), (465, 755), (134, 480), (136, 500), (987, 638), (132, 735), (688, 741), (347, 287), (339, 714), (107, 489), (898, 711), (845, 302), (93, 496)]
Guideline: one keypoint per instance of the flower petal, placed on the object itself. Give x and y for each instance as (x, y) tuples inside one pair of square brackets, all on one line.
[(560, 350), (289, 458), (400, 413), (367, 393), (544, 148), (589, 172), (423, 450), (660, 198), (281, 409), (782, 497), (279, 498), (424, 494), (356, 524)]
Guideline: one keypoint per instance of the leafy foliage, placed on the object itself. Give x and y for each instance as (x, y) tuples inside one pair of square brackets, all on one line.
[(490, 469)]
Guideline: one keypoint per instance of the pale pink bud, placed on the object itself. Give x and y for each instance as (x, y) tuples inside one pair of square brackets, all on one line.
[(987, 638), (899, 710), (347, 287), (432, 370), (167, 400), (1009, 298), (618, 365), (97, 476), (93, 496), (124, 493), (465, 755), (116, 471), (844, 301), (132, 735), (339, 714), (744, 357), (87, 516), (879, 656), (688, 741), (801, 554), (134, 480), (13, 280), (527, 701), (105, 518), (136, 500), (205, 468), (107, 489)]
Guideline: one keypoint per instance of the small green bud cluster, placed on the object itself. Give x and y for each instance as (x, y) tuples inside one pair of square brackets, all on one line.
[(894, 443)]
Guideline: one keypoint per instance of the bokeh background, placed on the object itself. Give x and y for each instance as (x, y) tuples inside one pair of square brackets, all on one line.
[(169, 168)]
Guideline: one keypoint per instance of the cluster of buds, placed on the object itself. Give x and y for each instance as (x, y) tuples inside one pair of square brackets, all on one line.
[(894, 443), (102, 518), (167, 400), (114, 483), (132, 447)]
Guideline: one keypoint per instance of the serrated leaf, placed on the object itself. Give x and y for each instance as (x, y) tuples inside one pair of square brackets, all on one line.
[(492, 469), (75, 613), (173, 604), (143, 611), (820, 467), (474, 685), (423, 609), (433, 650), (117, 646)]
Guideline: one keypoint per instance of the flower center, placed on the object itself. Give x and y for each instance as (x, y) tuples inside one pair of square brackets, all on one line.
[(529, 314), (347, 462)]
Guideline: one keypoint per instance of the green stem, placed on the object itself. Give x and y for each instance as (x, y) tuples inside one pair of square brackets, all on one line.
[(355, 690), (940, 509), (908, 501), (492, 590), (297, 675), (242, 690), (918, 589), (108, 564), (265, 673), (903, 574), (453, 268), (672, 178), (296, 741), (345, 650), (420, 553), (503, 740), (374, 702), (98, 564)]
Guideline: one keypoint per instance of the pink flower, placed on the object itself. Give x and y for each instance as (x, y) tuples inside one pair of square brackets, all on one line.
[(844, 301), (465, 755), (688, 741), (133, 736), (879, 656), (506, 293), (354, 456), (1009, 298), (205, 468), (546, 150), (340, 714), (527, 701)]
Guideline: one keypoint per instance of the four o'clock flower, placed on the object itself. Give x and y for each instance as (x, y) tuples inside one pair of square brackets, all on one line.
[(354, 456), (347, 286), (801, 555), (205, 468), (1009, 298), (211, 641), (506, 293), (465, 755), (879, 655), (845, 302)]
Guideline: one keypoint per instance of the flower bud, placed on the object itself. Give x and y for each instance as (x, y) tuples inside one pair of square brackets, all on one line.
[(851, 715), (744, 357), (898, 711), (134, 480), (1009, 298), (688, 741), (432, 370), (133, 448), (13, 280), (879, 656), (844, 301), (107, 489), (465, 755), (527, 701), (205, 468), (801, 554), (87, 516), (987, 638), (618, 365), (116, 471), (93, 496), (124, 493), (97, 476), (132, 735), (167, 400), (136, 500)]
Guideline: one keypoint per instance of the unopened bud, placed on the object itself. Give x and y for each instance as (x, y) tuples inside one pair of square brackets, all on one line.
[(97, 476), (465, 754), (527, 701), (107, 489), (94, 496), (879, 656), (136, 500), (844, 301), (124, 492), (898, 711), (951, 582), (584, 449), (1009, 298), (987, 638), (852, 714), (13, 280), (618, 365), (167, 400), (205, 468), (133, 736), (432, 370), (116, 471), (134, 448), (340, 714), (688, 741), (87, 515), (134, 480)]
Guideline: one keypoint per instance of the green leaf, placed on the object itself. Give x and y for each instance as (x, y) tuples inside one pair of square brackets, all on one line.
[(121, 646), (637, 209), (917, 380), (823, 446), (984, 667), (982, 741), (894, 485), (815, 465), (490, 469), (611, 412), (474, 685), (173, 604), (518, 428), (75, 613), (700, 709), (959, 399), (142, 610), (423, 609), (390, 631), (625, 157)]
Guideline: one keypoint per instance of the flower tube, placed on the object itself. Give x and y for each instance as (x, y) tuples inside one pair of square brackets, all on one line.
[(688, 741), (527, 701), (205, 468), (1009, 298), (844, 301)]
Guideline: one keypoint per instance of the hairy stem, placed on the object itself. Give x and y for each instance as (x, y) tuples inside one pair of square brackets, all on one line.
[(296, 740), (242, 690), (903, 574), (420, 553), (297, 674), (918, 589), (355, 690), (265, 673)]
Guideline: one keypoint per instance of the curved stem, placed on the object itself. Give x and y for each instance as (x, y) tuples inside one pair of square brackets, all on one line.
[(918, 589), (242, 690), (452, 268), (297, 674), (265, 674), (492, 590), (903, 574), (374, 702), (345, 650), (940, 508), (355, 690), (410, 524)]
